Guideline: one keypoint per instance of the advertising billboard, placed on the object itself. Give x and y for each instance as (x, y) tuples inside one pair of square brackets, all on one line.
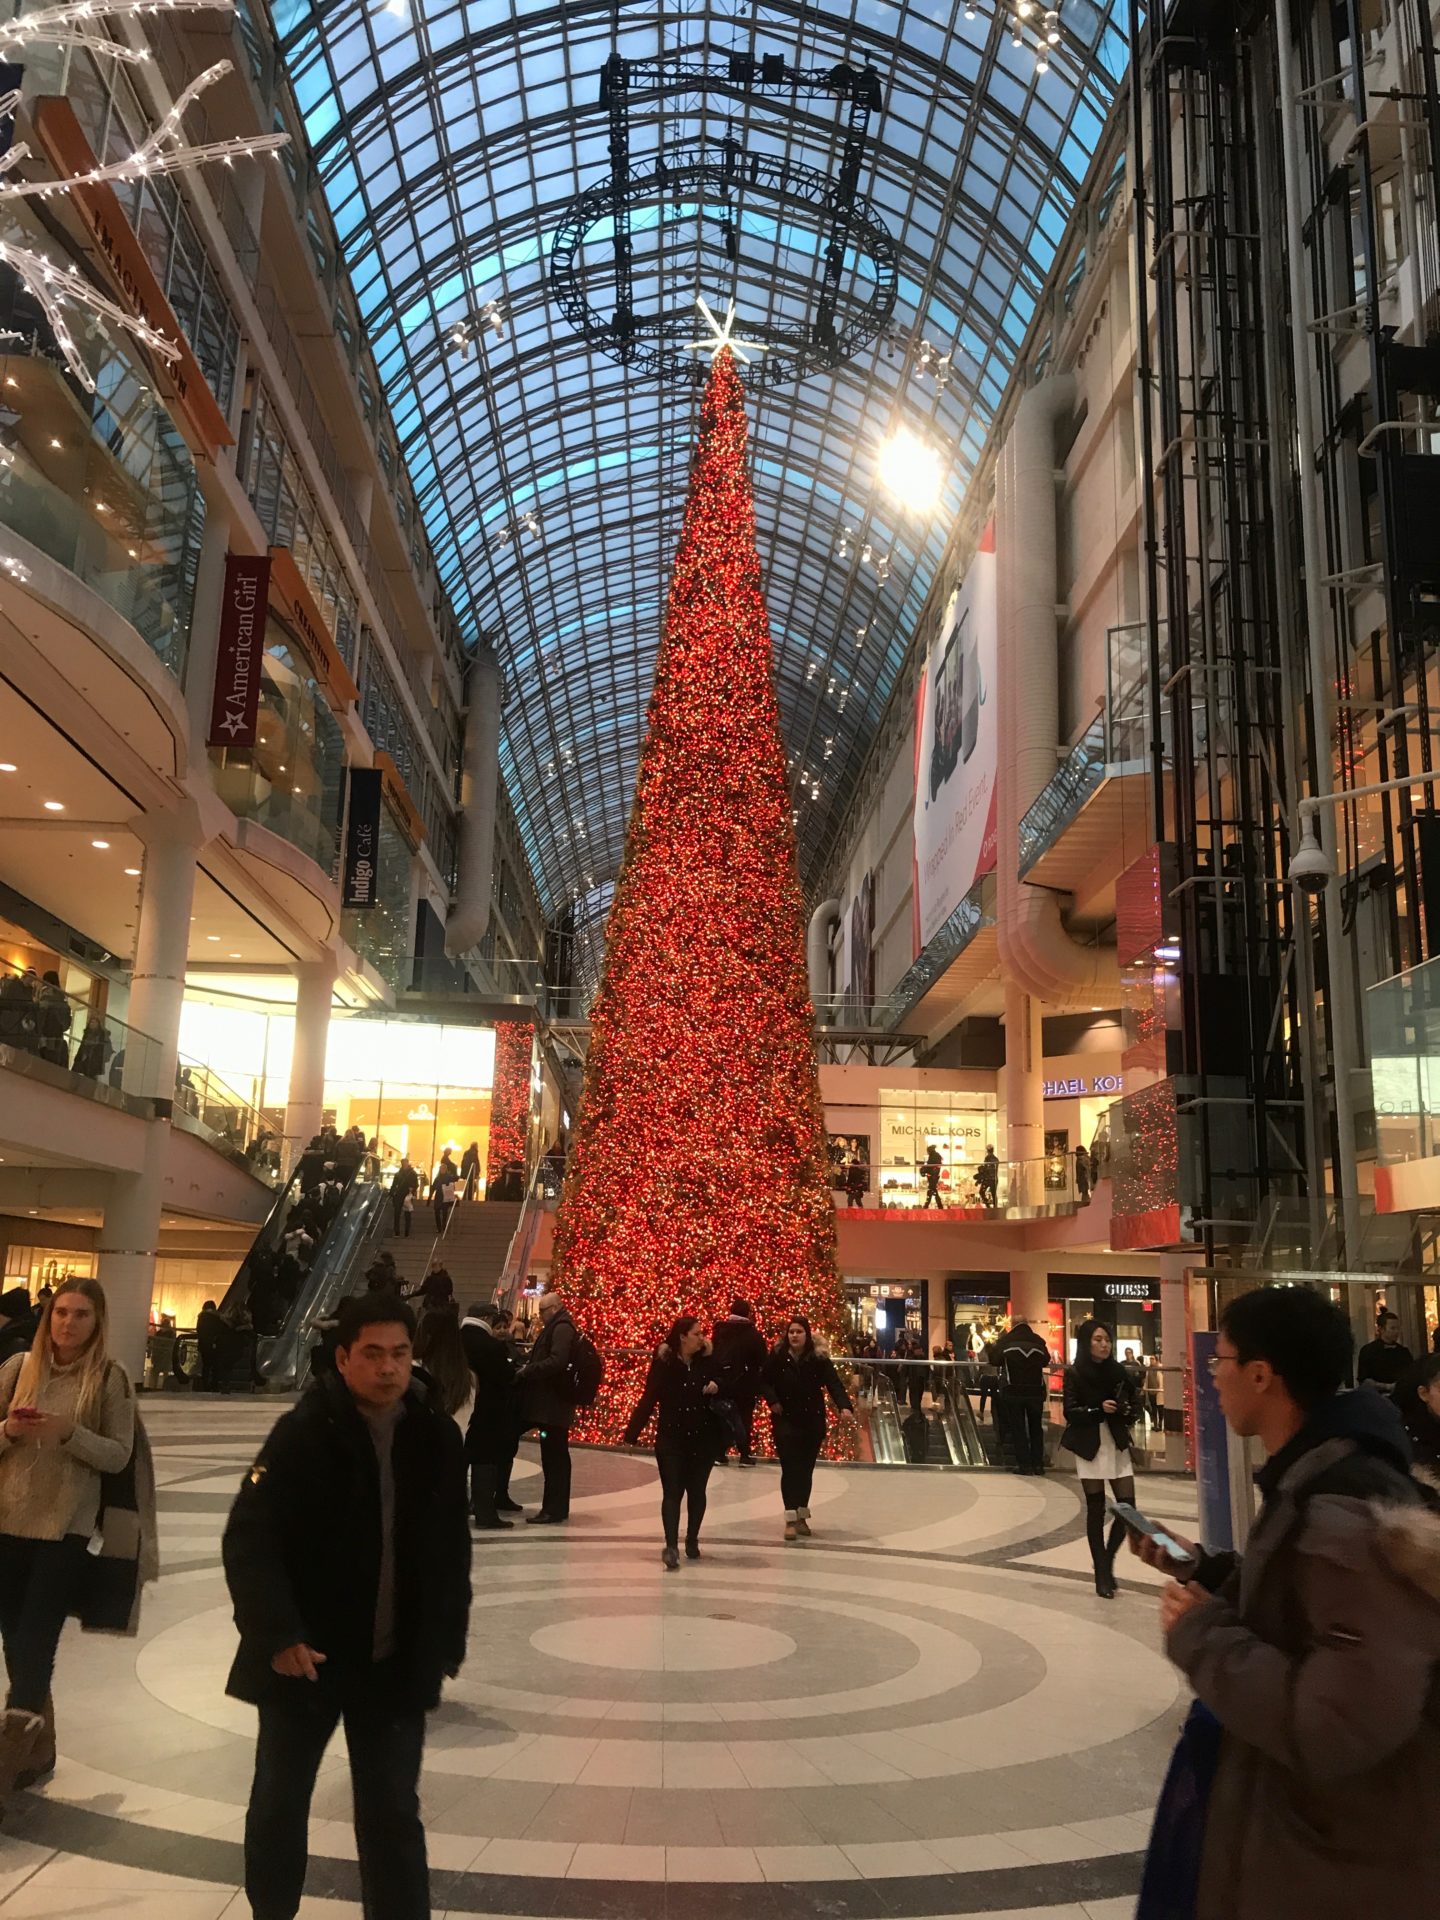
[(955, 750)]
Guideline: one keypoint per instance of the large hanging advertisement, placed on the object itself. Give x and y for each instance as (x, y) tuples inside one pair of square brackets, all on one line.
[(955, 744)]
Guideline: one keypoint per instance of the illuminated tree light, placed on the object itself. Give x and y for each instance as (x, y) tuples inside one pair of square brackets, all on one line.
[(698, 1167)]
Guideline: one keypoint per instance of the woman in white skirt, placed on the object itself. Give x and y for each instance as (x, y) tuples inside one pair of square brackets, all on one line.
[(1099, 1407)]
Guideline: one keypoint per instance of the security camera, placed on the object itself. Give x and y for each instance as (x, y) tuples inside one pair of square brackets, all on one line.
[(1311, 868)]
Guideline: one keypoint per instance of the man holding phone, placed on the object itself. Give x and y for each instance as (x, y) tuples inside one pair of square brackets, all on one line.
[(1318, 1650)]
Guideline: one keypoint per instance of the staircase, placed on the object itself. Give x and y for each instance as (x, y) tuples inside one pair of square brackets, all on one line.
[(473, 1251)]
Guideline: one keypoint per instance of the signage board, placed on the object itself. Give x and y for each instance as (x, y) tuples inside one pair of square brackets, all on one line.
[(235, 708), (362, 839)]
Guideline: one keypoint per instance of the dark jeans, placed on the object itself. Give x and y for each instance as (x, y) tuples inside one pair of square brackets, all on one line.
[(386, 1744), (745, 1407), (1027, 1434), (212, 1372), (38, 1581), (555, 1464), (799, 1449), (399, 1217), (683, 1476)]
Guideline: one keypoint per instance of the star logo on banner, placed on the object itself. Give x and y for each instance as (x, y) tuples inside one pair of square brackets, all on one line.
[(722, 335), (233, 723)]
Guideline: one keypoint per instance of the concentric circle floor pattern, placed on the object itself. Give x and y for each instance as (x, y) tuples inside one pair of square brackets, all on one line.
[(922, 1711)]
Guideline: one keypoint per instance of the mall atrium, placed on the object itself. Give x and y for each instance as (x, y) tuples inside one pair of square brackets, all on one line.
[(353, 377)]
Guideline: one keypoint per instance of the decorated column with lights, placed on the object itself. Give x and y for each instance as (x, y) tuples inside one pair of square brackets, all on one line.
[(510, 1096), (697, 1169)]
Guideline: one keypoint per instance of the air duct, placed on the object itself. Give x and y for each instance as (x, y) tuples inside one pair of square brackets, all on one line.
[(479, 775), (1036, 951), (817, 957)]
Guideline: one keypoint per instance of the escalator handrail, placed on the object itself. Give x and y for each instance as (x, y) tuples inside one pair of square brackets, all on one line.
[(282, 1359)]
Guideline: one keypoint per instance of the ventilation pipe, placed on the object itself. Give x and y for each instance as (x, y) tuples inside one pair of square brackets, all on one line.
[(479, 774), (817, 955), (1037, 954)]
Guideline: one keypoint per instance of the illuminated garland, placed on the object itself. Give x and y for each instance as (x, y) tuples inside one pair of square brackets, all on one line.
[(509, 1095), (698, 1167)]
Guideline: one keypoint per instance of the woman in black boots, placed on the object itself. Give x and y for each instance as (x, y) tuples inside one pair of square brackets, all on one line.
[(682, 1384), (798, 1375), (1099, 1407)]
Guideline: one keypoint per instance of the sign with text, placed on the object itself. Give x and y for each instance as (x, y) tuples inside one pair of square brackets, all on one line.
[(1080, 1085), (362, 839), (235, 710)]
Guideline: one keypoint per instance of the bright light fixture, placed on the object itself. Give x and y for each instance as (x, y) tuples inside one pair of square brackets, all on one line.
[(7, 766), (911, 469), (101, 846), (54, 806), (134, 872), (212, 936)]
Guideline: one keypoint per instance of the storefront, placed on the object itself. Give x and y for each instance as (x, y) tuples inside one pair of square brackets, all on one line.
[(893, 1138), (881, 1310), (1080, 1090), (1129, 1306), (977, 1311)]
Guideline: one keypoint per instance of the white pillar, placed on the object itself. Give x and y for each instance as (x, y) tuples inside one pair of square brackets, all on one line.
[(128, 1242), (162, 942), (1024, 1096), (1030, 1297), (314, 983)]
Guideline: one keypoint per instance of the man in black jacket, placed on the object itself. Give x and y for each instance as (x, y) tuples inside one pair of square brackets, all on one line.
[(738, 1354), (347, 1556), (1024, 1362), (18, 1322), (547, 1401), (494, 1428)]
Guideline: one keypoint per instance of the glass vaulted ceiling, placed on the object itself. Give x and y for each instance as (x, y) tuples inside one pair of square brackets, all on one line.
[(451, 139)]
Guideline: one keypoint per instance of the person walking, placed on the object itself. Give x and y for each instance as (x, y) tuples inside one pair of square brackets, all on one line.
[(404, 1189), (470, 1172), (494, 1428), (1417, 1399), (347, 1555), (681, 1383), (69, 1418), (933, 1168), (440, 1367), (798, 1375), (1082, 1174), (437, 1289), (215, 1338), (857, 1176), (1024, 1362), (1314, 1656), (443, 1188), (738, 1352), (53, 1017), (987, 1180), (547, 1401), (1099, 1403)]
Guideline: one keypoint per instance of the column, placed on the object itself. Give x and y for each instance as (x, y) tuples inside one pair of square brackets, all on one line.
[(1030, 1298), (1176, 1323), (1024, 1097), (162, 942), (127, 1244), (314, 984)]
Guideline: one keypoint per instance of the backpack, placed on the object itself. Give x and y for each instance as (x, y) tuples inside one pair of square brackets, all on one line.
[(587, 1370)]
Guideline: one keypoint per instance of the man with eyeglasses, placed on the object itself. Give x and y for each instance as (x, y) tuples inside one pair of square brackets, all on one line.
[(1318, 1650)]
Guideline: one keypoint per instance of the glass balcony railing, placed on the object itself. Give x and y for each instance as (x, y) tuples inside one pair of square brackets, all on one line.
[(1009, 1187), (206, 1105), (100, 482), (39, 1019), (290, 780)]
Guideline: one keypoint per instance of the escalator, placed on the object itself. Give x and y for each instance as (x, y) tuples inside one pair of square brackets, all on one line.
[(280, 1292)]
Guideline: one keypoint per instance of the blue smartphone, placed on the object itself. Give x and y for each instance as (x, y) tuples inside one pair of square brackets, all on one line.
[(1137, 1523)]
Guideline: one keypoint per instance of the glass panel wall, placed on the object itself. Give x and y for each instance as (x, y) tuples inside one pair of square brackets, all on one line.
[(382, 933), (102, 482), (290, 780)]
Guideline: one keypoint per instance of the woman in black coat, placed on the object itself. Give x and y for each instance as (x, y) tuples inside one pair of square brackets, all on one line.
[(797, 1378), (1100, 1405), (1417, 1399), (681, 1383)]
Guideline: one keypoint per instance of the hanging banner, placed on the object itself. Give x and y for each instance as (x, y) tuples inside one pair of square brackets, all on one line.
[(235, 709), (362, 839), (955, 751)]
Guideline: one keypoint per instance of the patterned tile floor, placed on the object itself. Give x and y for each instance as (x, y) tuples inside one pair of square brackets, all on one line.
[(923, 1711)]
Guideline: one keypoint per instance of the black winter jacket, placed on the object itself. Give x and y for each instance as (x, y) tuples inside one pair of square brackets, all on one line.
[(1024, 1362), (495, 1418), (796, 1389), (687, 1421), (1084, 1404), (302, 1550), (739, 1353), (547, 1396)]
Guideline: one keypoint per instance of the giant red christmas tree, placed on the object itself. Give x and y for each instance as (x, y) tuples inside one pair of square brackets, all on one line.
[(698, 1166)]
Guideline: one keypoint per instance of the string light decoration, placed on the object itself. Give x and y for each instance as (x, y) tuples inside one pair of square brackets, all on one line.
[(509, 1096), (697, 1169), (69, 26), (56, 288)]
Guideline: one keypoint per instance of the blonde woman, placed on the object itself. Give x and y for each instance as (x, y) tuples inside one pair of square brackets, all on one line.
[(69, 1417)]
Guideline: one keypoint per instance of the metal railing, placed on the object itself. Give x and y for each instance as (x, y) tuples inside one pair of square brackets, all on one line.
[(67, 1031), (1005, 1187)]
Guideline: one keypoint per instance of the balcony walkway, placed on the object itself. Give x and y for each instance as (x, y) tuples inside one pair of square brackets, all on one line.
[(925, 1710)]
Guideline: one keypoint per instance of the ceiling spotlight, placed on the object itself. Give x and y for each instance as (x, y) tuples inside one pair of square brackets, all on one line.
[(7, 766), (101, 846), (134, 872), (212, 936), (1016, 40), (911, 469), (54, 806), (1042, 65)]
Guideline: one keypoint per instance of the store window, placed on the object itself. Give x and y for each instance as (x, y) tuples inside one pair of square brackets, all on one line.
[(37, 1267), (290, 780), (882, 1310), (895, 1137)]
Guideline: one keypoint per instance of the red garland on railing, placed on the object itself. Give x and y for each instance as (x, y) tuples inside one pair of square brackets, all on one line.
[(698, 1168), (510, 1096)]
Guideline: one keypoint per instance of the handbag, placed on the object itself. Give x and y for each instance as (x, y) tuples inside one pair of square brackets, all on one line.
[(728, 1423), (1170, 1886)]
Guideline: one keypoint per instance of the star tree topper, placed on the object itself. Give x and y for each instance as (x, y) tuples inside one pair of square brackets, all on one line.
[(722, 335)]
